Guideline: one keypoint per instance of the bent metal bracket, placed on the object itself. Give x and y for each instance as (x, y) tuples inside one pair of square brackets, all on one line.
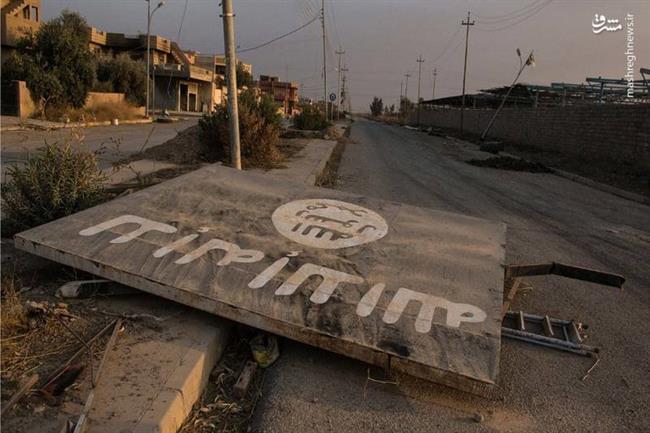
[(406, 288)]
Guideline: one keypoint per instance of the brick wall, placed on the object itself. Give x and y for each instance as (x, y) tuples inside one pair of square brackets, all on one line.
[(620, 132)]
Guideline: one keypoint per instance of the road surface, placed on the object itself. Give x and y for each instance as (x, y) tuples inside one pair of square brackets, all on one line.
[(539, 390), (111, 142)]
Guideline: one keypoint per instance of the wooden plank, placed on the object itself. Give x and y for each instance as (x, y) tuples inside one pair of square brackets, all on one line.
[(390, 284)]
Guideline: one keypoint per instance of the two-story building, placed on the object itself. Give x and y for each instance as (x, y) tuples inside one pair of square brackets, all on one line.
[(19, 18), (285, 94)]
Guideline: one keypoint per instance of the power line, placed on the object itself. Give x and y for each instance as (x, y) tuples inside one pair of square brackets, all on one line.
[(510, 15), (244, 50), (442, 53), (526, 17)]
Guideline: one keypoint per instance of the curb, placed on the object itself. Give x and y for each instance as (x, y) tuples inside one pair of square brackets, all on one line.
[(184, 387), (319, 170), (602, 187), (28, 127)]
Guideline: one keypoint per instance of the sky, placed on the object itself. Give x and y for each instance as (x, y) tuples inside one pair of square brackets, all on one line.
[(383, 39)]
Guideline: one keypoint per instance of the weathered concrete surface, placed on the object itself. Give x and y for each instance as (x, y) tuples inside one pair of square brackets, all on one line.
[(154, 376), (141, 168), (308, 164), (448, 265), (113, 143), (539, 390)]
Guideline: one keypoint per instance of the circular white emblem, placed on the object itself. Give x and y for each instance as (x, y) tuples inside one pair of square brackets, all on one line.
[(331, 224)]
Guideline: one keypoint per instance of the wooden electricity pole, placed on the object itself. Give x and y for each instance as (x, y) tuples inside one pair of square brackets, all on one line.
[(231, 80), (322, 20), (420, 61), (462, 111), (339, 53)]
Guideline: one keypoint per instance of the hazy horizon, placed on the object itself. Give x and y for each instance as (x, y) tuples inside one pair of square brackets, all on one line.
[(383, 39)]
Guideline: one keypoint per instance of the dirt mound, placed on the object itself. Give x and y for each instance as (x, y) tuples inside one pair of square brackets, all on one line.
[(185, 148), (510, 163)]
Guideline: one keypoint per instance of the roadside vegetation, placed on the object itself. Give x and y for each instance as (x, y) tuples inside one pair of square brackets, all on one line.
[(60, 70), (376, 107), (59, 181), (311, 119), (259, 130)]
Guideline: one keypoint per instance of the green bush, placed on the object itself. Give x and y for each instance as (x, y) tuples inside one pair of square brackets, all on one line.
[(59, 181), (122, 74), (310, 118), (259, 132), (55, 62)]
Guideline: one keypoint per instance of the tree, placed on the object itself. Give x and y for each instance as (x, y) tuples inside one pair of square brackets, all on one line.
[(391, 110), (376, 107), (406, 106), (122, 74), (244, 78), (56, 62)]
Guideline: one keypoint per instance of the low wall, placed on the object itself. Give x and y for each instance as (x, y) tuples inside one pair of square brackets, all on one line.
[(97, 98), (17, 99), (605, 132)]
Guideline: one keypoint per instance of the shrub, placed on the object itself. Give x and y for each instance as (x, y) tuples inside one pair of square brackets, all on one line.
[(310, 118), (376, 106), (259, 132), (122, 74), (55, 62), (59, 181)]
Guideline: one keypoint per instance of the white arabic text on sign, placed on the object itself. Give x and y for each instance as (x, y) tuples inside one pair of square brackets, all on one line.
[(602, 24)]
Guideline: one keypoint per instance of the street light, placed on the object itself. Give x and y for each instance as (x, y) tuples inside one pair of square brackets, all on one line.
[(530, 61), (149, 16)]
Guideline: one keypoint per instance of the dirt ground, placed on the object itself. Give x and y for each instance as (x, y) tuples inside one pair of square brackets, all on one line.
[(628, 177), (186, 149), (549, 218)]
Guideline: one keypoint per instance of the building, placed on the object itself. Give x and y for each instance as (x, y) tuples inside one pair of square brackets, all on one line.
[(19, 19), (285, 94), (185, 81)]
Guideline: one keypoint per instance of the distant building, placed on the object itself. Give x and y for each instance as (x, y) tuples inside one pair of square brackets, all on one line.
[(285, 94), (19, 19), (182, 80)]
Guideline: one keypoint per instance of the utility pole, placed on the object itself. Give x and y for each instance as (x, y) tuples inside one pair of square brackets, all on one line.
[(322, 20), (339, 53), (343, 92), (400, 105), (420, 61), (433, 92), (406, 96), (462, 111), (149, 16), (231, 80)]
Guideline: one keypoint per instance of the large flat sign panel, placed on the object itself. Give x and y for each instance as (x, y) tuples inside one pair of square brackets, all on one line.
[(408, 288)]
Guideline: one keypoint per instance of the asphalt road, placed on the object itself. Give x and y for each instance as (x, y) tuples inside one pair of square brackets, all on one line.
[(111, 142), (539, 390)]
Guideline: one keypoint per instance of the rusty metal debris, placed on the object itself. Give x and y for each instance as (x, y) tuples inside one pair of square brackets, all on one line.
[(543, 330), (80, 426), (514, 274), (25, 387)]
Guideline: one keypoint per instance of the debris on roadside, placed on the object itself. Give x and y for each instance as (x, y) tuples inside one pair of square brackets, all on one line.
[(245, 378), (88, 288), (221, 407), (510, 163), (265, 349)]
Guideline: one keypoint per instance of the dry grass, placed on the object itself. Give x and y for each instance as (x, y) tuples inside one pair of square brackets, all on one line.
[(97, 113), (13, 318), (327, 179), (218, 410)]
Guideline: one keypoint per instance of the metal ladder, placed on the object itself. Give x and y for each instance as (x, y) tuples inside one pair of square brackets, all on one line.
[(546, 331)]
